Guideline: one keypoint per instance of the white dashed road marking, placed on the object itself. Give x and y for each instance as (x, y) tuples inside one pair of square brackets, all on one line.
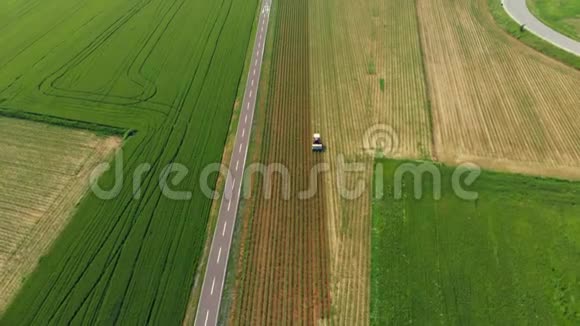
[(215, 271)]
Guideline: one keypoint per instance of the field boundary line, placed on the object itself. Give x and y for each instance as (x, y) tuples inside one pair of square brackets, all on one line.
[(100, 129)]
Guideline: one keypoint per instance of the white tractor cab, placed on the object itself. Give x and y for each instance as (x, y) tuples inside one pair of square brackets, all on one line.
[(317, 143)]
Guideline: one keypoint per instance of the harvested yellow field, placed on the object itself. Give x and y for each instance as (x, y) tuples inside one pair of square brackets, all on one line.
[(368, 92), (366, 70), (496, 102), (44, 172)]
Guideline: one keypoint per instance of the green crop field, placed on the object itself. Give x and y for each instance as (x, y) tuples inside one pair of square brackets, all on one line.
[(510, 257), (561, 15), (169, 70)]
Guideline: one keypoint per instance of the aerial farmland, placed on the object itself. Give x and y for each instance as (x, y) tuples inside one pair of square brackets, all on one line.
[(274, 162), (438, 89)]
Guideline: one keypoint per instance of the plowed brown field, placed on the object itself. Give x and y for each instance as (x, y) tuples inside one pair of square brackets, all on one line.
[(284, 275)]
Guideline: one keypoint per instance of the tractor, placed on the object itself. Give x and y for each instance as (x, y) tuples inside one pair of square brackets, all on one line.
[(317, 143)]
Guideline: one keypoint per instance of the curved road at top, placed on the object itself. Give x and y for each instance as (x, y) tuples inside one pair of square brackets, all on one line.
[(519, 12)]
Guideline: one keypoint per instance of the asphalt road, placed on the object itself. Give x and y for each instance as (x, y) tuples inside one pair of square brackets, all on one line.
[(519, 12), (213, 282)]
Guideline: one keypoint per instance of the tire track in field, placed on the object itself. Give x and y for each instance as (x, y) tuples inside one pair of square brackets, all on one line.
[(27, 8), (103, 96), (215, 24), (80, 5), (47, 85), (148, 87), (91, 96), (211, 62), (114, 256)]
